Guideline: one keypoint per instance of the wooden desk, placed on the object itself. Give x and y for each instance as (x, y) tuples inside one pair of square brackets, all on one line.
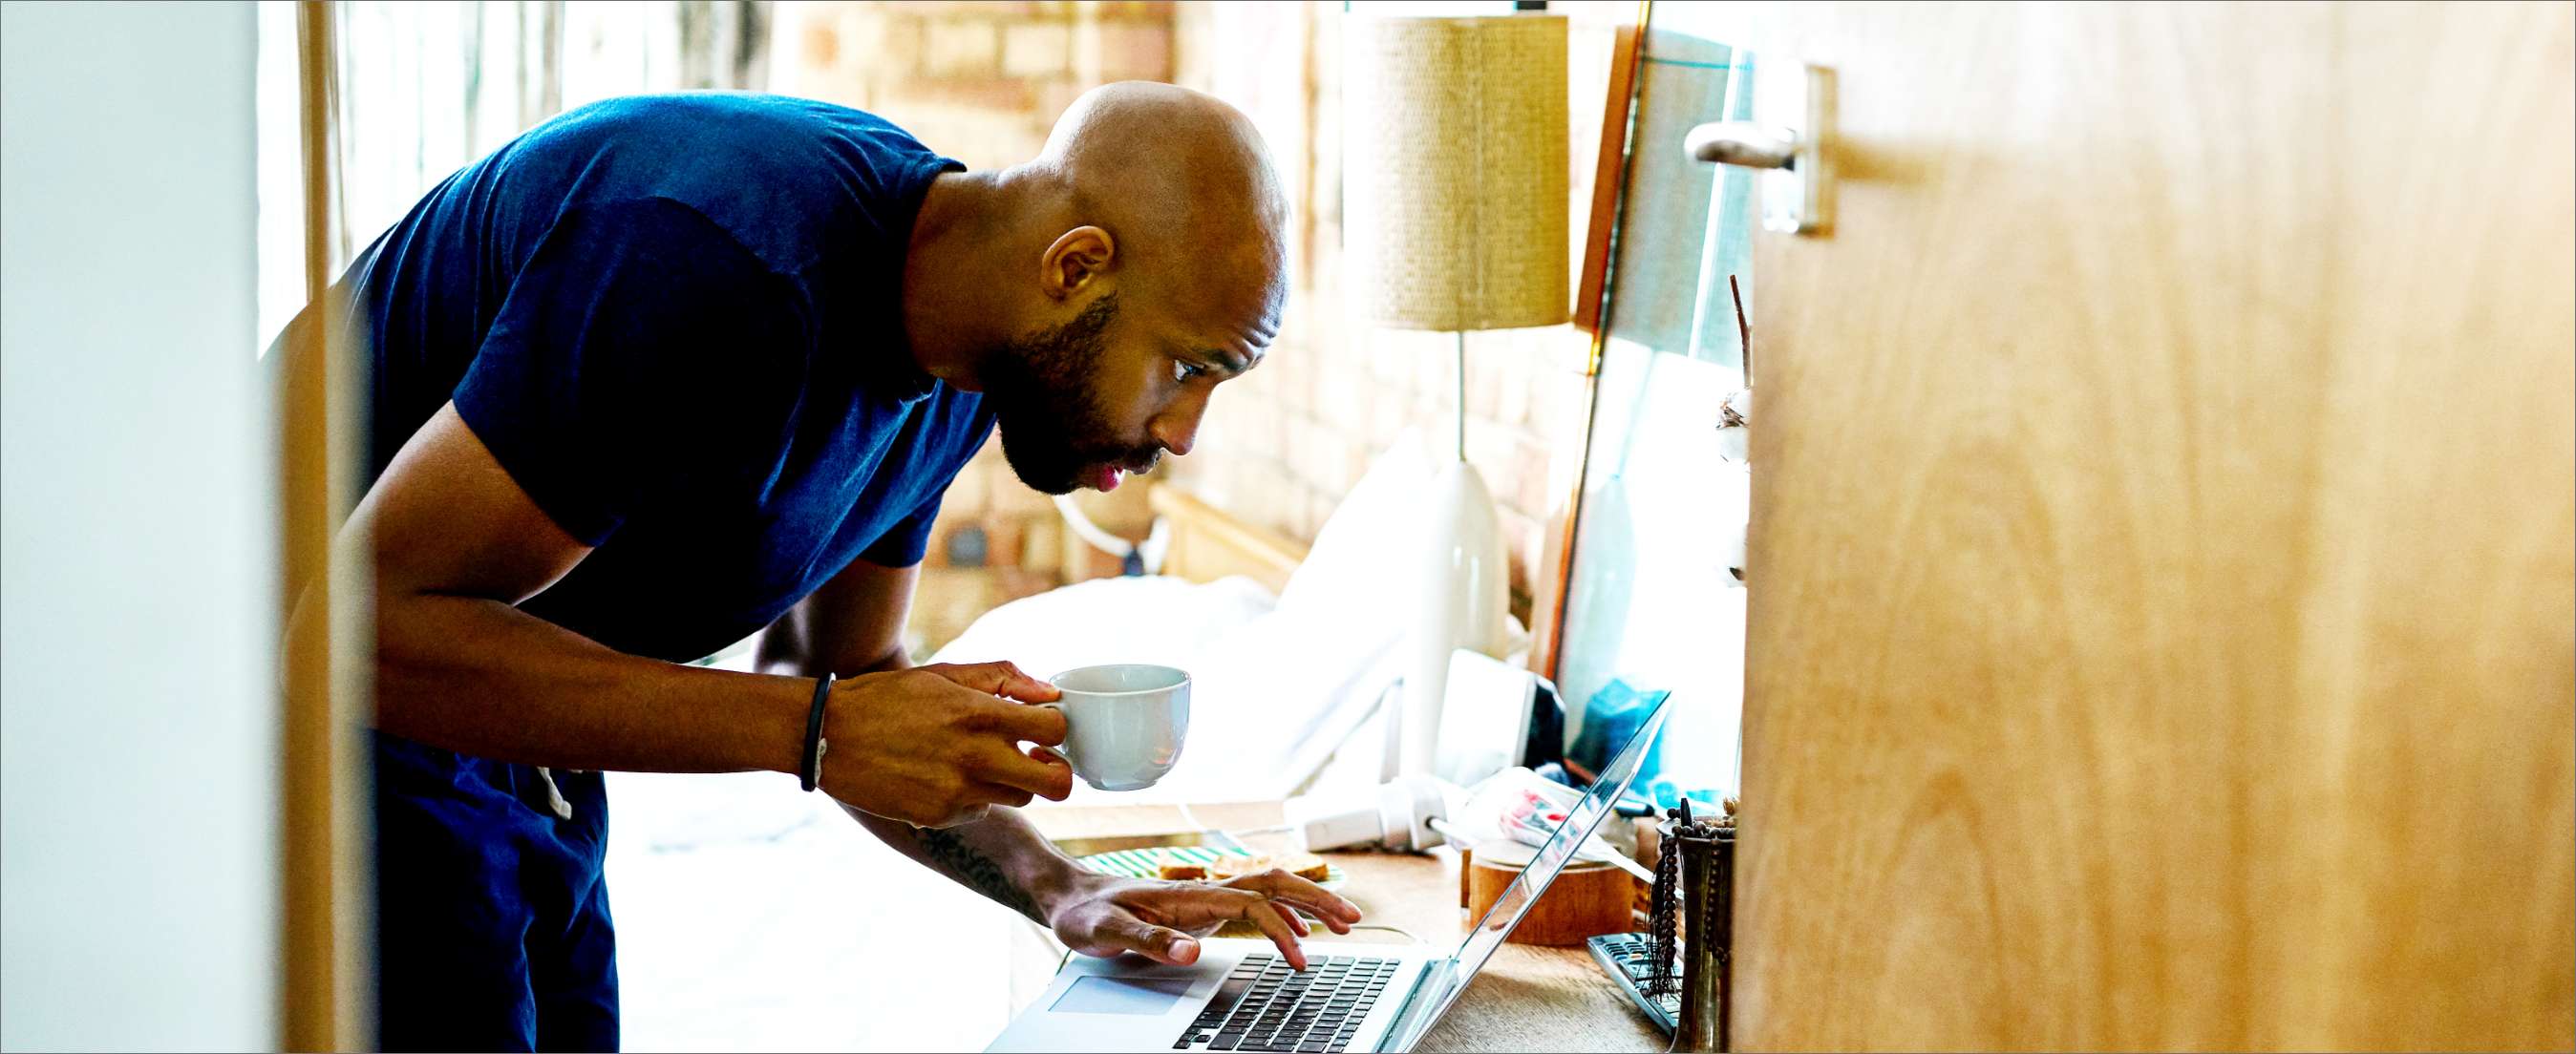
[(1526, 997)]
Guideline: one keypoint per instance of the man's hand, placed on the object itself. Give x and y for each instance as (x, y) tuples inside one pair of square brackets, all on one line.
[(936, 746), (1162, 920)]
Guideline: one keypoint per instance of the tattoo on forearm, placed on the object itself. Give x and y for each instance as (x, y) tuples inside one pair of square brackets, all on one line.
[(977, 871)]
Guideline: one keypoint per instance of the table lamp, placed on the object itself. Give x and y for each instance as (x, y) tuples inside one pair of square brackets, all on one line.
[(1455, 215)]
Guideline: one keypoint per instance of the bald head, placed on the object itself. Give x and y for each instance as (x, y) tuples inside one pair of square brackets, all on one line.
[(1183, 184), (1099, 293)]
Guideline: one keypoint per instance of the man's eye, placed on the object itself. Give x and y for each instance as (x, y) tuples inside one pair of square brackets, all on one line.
[(1187, 371)]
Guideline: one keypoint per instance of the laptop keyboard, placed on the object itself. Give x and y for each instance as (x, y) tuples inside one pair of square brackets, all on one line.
[(1265, 1005)]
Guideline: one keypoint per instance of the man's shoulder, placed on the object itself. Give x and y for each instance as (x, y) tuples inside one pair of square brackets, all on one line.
[(752, 113), (746, 136), (953, 423), (791, 178)]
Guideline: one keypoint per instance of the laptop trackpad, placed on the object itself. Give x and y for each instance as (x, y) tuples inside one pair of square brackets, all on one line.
[(1101, 994)]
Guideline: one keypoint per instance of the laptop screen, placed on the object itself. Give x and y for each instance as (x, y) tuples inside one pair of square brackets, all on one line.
[(1442, 986)]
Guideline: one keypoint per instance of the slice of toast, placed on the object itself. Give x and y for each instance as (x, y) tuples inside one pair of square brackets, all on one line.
[(1307, 866), (1179, 872)]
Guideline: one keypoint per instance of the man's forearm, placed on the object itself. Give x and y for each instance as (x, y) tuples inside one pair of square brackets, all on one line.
[(481, 677), (794, 647), (999, 856)]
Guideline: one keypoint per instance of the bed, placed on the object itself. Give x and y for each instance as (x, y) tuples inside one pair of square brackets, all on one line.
[(752, 916)]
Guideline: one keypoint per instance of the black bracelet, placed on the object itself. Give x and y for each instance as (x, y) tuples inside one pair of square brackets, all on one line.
[(812, 770)]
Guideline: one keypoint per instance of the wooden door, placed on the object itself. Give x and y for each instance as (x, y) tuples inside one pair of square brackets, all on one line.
[(2161, 558)]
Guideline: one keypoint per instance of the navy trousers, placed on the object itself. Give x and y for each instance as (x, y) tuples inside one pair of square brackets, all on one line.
[(492, 921)]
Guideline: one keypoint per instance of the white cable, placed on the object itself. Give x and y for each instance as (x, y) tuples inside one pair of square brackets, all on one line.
[(1157, 539), (1629, 866), (1191, 822), (1279, 829), (1603, 854)]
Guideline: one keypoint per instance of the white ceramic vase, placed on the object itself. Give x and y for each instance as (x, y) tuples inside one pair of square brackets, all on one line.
[(1462, 601)]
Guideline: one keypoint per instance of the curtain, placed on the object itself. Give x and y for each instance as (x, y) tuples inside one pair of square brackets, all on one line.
[(427, 88)]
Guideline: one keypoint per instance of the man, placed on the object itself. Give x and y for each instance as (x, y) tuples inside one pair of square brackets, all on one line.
[(666, 371)]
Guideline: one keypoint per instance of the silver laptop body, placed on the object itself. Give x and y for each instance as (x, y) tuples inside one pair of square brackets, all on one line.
[(1240, 995)]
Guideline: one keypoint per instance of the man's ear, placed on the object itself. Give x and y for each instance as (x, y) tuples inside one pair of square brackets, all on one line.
[(1078, 256)]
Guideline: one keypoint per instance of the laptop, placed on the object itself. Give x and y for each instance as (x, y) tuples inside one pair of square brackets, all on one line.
[(1240, 995)]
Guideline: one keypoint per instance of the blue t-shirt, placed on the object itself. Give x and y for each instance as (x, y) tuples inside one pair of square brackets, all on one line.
[(675, 321)]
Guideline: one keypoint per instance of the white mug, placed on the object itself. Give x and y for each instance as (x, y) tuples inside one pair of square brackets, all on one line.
[(1123, 723)]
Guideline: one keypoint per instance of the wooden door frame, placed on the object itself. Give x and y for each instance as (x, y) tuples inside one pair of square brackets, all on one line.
[(324, 918)]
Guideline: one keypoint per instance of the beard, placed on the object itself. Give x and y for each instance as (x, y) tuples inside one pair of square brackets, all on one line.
[(1054, 428)]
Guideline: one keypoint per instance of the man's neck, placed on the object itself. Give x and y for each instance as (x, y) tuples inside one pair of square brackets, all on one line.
[(951, 303)]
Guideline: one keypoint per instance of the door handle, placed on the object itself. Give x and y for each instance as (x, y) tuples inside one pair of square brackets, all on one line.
[(1791, 157), (1742, 143)]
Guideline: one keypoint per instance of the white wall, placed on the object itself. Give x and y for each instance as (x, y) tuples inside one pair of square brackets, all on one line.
[(138, 722)]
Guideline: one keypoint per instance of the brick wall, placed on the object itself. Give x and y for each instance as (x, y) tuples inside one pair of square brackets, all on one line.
[(983, 82), (979, 81)]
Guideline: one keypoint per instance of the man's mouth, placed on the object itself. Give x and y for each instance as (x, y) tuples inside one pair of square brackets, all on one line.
[(1105, 477)]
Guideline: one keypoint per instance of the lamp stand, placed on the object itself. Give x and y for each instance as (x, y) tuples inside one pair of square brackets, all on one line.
[(1462, 591), (1460, 409)]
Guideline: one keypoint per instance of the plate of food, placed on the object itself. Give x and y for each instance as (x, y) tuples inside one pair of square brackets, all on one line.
[(1206, 863)]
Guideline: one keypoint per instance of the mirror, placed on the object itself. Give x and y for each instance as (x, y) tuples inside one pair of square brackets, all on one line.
[(1653, 598)]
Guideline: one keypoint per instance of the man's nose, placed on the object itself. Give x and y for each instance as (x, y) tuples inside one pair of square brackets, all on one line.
[(1177, 427)]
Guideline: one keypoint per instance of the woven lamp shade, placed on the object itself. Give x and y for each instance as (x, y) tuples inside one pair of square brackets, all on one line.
[(1456, 177)]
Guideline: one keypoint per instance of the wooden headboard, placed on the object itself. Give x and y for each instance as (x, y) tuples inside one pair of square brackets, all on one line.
[(1208, 544)]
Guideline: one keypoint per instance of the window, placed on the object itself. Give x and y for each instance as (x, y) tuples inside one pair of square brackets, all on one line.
[(426, 88)]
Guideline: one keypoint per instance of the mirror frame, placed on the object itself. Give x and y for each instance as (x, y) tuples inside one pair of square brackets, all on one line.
[(1611, 173)]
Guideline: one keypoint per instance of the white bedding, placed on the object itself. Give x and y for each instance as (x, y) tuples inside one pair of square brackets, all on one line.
[(1277, 685), (1272, 693)]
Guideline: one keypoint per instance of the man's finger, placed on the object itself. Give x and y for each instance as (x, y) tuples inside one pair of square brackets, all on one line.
[(1154, 942), (999, 794), (1021, 721), (1263, 913), (1228, 902), (1295, 924), (998, 678), (1318, 901), (1053, 760), (1005, 765), (1319, 911), (1018, 720)]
